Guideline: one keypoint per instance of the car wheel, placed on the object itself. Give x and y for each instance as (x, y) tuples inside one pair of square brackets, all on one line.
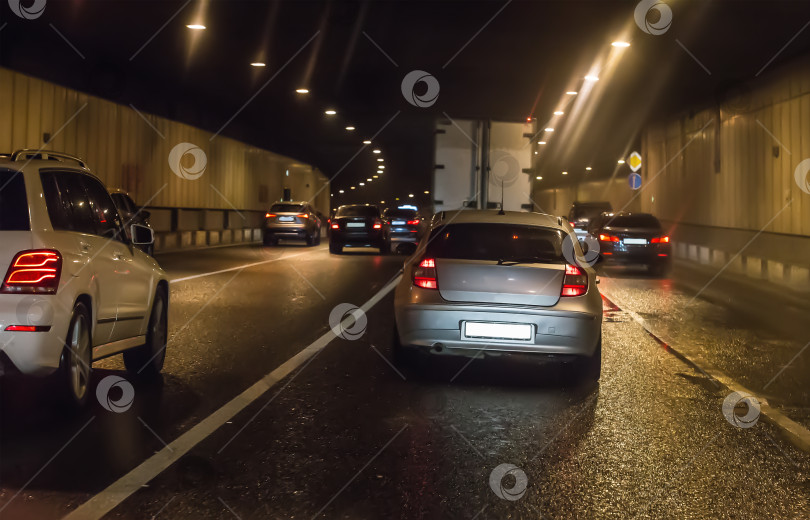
[(335, 248), (75, 366), (147, 360), (269, 240), (591, 367)]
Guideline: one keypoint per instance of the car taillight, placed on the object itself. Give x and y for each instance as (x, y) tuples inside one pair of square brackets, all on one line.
[(660, 240), (424, 275), (608, 238), (575, 282), (335, 225), (34, 271), (269, 215), (377, 224), (573, 224), (413, 222), (303, 215), (28, 328)]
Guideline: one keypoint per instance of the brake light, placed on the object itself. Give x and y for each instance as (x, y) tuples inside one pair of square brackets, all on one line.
[(335, 225), (377, 224), (608, 238), (575, 282), (660, 240), (424, 275), (413, 222), (573, 224), (34, 271), (269, 215), (303, 215)]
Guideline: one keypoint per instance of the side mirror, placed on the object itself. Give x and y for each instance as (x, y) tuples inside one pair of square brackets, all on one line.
[(142, 235)]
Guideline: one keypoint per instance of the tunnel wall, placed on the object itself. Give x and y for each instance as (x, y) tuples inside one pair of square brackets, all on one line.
[(129, 150), (723, 178)]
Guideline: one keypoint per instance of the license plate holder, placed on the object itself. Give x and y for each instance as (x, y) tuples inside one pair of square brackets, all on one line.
[(495, 331), (355, 224), (286, 219), (635, 241)]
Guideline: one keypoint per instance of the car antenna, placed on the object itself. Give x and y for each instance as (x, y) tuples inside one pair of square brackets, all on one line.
[(501, 212)]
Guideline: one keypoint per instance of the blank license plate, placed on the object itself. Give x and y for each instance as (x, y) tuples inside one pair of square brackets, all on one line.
[(286, 219), (356, 224), (635, 241), (398, 222), (486, 330)]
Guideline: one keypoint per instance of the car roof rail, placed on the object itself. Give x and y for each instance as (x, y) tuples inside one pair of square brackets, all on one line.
[(25, 154)]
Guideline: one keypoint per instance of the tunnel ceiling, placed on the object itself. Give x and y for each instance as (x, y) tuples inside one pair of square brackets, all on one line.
[(497, 60)]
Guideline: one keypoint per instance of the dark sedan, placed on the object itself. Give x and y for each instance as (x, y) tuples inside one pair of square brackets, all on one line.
[(358, 225), (632, 238), (404, 227)]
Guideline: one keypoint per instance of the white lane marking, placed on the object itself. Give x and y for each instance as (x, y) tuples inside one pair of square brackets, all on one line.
[(212, 273), (121, 489)]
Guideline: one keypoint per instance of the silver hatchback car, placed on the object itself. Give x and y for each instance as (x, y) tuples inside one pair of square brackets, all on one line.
[(489, 282)]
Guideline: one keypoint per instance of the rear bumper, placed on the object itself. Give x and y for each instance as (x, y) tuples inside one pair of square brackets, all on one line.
[(438, 328), (32, 353), (363, 238), (289, 231), (401, 238), (647, 255)]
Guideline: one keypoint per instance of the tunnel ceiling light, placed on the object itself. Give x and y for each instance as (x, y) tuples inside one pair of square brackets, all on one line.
[(376, 176), (380, 159), (361, 183), (559, 113), (536, 152), (539, 178), (381, 166), (382, 202), (330, 112), (588, 168), (621, 44), (541, 142), (591, 77), (571, 93), (258, 64), (302, 90), (379, 171), (427, 192), (410, 195), (565, 173), (352, 188), (196, 26), (368, 180), (341, 191), (350, 128), (366, 142), (621, 161), (377, 150), (549, 129)]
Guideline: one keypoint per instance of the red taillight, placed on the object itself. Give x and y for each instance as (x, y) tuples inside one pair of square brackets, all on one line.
[(335, 226), (413, 222), (424, 275), (608, 238), (377, 224), (575, 282), (303, 215), (573, 224), (27, 328), (269, 215), (660, 240), (35, 271)]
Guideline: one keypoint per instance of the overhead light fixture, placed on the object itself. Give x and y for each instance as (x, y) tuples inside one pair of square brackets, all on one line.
[(427, 192), (541, 142), (620, 44), (361, 183), (565, 173), (536, 152), (258, 64), (196, 26), (380, 159), (341, 191), (539, 178), (352, 188), (376, 176), (571, 93), (379, 171), (381, 166), (588, 168), (621, 161), (558, 113), (382, 202), (377, 150), (350, 128), (410, 195), (549, 129), (330, 112), (302, 90), (366, 142), (368, 180), (591, 77)]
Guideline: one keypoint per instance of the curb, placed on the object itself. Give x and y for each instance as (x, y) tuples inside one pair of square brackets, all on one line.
[(790, 430)]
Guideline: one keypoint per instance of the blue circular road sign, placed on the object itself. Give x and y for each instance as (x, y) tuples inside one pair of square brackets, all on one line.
[(634, 180)]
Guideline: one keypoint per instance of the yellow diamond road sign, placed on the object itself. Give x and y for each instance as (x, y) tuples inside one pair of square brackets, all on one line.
[(634, 161)]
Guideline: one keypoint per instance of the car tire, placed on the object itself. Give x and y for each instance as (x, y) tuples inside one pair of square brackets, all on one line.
[(147, 360), (75, 366), (335, 248), (591, 367), (269, 240)]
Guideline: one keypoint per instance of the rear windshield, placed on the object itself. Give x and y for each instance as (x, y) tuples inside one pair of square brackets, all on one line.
[(400, 213), (588, 210), (358, 211), (496, 242), (633, 221), (13, 202), (287, 208)]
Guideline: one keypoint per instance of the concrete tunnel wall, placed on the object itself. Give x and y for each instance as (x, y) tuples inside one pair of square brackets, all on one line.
[(131, 151), (721, 179)]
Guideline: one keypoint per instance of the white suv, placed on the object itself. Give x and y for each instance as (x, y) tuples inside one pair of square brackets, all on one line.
[(75, 288)]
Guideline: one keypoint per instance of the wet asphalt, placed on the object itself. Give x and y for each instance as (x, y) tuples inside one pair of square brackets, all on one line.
[(351, 435)]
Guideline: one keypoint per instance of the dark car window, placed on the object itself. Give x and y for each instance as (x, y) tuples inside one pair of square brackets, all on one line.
[(401, 213), (287, 208), (358, 211), (67, 202), (496, 242), (123, 203), (13, 202), (633, 221), (106, 215)]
